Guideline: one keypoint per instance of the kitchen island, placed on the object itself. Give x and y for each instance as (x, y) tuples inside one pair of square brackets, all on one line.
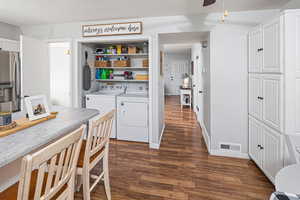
[(13, 147)]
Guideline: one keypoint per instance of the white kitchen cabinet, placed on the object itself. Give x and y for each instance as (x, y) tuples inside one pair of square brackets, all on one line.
[(255, 50), (265, 148), (272, 151), (132, 119), (272, 101), (255, 95), (277, 84), (265, 99), (256, 141), (271, 47)]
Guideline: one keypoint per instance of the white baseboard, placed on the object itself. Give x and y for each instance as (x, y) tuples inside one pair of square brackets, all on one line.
[(206, 137), (157, 145), (223, 153), (231, 154)]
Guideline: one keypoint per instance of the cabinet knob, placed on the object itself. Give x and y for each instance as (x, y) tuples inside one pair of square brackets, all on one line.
[(260, 49), (260, 98), (261, 148), (122, 103), (87, 99)]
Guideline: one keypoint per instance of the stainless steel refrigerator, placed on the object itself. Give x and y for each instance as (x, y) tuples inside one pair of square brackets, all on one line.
[(10, 81)]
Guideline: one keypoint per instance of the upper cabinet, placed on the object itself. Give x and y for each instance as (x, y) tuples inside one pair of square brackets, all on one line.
[(264, 48), (271, 47), (255, 50)]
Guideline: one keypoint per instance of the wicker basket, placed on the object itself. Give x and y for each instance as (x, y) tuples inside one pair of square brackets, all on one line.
[(132, 50), (142, 77), (146, 63), (121, 63), (102, 63)]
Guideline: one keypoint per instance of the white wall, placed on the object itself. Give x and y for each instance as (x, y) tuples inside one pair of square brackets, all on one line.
[(293, 4), (206, 87), (35, 68), (176, 64), (161, 92), (228, 64), (9, 31)]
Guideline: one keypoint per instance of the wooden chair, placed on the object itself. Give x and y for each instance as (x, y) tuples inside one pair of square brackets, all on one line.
[(93, 150), (49, 173)]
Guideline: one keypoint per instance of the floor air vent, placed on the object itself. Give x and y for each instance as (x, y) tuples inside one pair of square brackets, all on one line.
[(230, 147)]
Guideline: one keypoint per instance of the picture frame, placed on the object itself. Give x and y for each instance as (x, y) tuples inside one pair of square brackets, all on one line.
[(37, 107)]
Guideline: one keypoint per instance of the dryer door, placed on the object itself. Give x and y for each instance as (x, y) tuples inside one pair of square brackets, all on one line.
[(133, 121), (134, 114)]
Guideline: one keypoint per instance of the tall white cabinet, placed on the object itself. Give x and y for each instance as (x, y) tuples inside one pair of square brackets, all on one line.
[(274, 89)]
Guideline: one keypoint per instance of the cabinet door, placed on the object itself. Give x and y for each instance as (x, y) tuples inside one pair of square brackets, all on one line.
[(271, 47), (272, 100), (272, 152), (255, 94), (255, 50), (255, 141)]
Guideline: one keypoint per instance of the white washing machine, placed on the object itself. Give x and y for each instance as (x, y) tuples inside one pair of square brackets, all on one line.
[(133, 117), (104, 101)]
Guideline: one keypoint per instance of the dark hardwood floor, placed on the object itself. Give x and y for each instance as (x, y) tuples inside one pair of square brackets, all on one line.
[(181, 169)]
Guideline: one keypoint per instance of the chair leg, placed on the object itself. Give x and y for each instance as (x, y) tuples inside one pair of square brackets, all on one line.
[(86, 185), (106, 175), (71, 185), (78, 183)]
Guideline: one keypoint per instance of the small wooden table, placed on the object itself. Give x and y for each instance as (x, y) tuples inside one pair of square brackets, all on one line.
[(185, 97)]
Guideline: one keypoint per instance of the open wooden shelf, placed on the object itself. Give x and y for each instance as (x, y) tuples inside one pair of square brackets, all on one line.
[(115, 80), (124, 54), (124, 68)]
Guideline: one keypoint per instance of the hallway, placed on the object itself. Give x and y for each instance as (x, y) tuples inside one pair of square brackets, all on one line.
[(181, 169)]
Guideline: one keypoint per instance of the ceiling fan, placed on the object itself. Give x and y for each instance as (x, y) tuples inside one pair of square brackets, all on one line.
[(208, 2)]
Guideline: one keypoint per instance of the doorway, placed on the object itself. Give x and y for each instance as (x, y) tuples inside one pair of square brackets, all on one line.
[(60, 73), (186, 56)]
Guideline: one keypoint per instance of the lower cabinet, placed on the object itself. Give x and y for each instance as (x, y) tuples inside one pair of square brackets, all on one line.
[(265, 148)]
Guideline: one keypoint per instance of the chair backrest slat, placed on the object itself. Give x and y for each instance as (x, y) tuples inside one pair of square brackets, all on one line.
[(99, 134), (51, 172), (39, 182), (59, 167), (55, 166)]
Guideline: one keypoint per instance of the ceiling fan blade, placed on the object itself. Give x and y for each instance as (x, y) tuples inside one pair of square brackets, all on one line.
[(208, 2)]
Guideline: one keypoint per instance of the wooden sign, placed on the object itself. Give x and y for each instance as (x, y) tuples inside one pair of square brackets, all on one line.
[(128, 28)]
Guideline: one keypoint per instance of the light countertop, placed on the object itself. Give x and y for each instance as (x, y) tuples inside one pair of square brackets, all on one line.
[(19, 144)]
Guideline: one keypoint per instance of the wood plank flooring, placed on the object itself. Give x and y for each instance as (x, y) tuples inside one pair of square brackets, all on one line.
[(181, 169)]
